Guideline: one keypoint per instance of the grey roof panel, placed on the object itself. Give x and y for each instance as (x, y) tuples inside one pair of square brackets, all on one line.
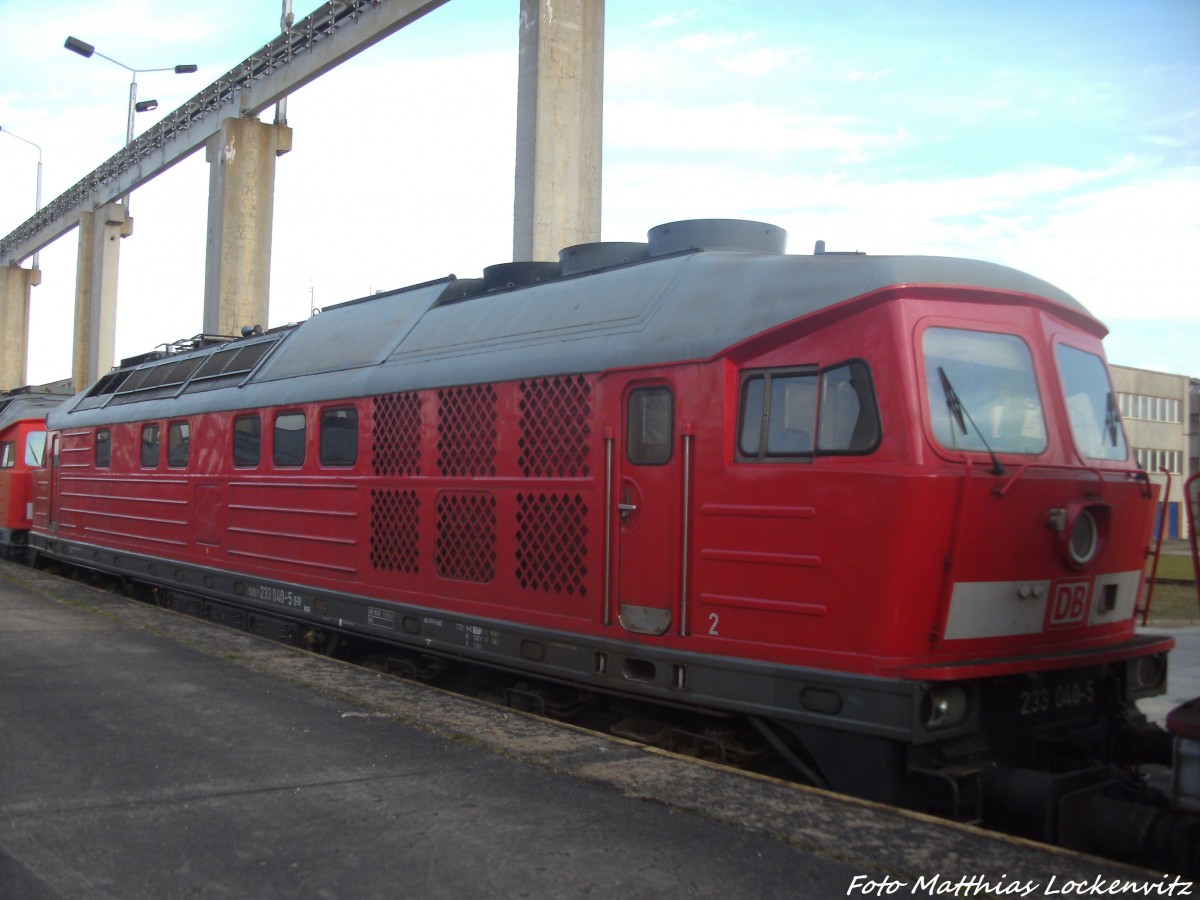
[(665, 309), (351, 336)]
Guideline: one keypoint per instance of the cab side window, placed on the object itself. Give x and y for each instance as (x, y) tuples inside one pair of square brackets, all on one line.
[(8, 457), (796, 414)]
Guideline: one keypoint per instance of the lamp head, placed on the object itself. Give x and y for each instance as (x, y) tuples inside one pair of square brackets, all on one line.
[(83, 48)]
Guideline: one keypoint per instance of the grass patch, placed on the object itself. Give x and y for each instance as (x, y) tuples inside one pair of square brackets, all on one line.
[(1175, 566), (1174, 603)]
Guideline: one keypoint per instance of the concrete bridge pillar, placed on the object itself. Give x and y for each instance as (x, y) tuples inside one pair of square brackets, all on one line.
[(560, 101), (241, 207), (100, 233), (16, 285)]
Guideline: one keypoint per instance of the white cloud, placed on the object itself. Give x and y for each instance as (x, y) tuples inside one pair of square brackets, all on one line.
[(741, 127), (704, 43)]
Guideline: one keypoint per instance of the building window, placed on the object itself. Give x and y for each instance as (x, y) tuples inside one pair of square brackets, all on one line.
[(103, 448), (151, 438), (178, 436), (1151, 409), (289, 439), (1154, 461), (339, 436), (247, 441)]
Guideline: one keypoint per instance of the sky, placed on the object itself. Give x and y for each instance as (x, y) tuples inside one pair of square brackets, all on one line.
[(1059, 137)]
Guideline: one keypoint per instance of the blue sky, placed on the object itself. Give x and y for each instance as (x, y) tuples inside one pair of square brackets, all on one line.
[(1061, 138)]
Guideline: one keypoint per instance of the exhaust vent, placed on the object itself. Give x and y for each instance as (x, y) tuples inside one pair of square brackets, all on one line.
[(514, 274), (730, 235), (600, 255)]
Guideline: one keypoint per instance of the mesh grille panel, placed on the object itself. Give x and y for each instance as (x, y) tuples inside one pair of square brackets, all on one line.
[(397, 447), (466, 537), (554, 427), (395, 530), (467, 431), (552, 543)]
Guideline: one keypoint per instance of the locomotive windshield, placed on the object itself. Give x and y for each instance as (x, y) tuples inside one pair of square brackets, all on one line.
[(1091, 404), (982, 392)]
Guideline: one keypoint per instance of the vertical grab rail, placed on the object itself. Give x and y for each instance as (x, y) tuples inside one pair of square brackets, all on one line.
[(609, 440), (1157, 551), (1191, 500), (685, 533)]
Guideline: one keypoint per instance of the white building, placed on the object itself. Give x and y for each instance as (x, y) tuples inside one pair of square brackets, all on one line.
[(1160, 413)]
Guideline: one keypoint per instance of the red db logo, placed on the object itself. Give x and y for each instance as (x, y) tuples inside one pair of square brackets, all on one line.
[(1069, 603)]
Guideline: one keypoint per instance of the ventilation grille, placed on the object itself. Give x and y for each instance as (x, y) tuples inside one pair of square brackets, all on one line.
[(466, 537), (552, 543), (467, 431), (554, 427), (397, 431), (395, 531)]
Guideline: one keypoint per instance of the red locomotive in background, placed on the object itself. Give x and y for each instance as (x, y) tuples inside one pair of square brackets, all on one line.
[(882, 508), (22, 449)]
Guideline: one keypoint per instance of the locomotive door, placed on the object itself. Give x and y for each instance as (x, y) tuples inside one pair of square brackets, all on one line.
[(647, 512)]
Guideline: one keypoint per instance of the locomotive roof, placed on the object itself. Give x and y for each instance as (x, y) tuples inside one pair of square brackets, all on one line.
[(687, 304), (30, 403)]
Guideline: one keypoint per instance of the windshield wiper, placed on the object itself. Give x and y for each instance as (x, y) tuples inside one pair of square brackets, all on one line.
[(1111, 417), (962, 416)]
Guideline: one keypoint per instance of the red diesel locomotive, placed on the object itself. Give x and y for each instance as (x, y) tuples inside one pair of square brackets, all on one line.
[(22, 447), (880, 507)]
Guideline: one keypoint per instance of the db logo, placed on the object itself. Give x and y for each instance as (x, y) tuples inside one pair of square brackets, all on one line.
[(1069, 603)]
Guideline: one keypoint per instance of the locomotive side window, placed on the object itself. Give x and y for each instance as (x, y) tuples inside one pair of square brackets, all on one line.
[(103, 448), (247, 441), (8, 456), (782, 410), (650, 426), (982, 392), (778, 414), (339, 436), (289, 439), (849, 416), (35, 448), (1091, 404), (178, 439), (151, 438)]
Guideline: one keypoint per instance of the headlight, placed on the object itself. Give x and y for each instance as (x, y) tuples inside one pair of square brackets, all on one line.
[(1082, 528), (943, 707), (1084, 541), (1146, 675)]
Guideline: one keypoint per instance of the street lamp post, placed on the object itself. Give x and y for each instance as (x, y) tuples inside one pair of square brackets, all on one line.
[(84, 49), (37, 202)]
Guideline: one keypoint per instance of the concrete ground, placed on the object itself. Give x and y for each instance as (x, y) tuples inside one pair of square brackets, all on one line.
[(145, 754)]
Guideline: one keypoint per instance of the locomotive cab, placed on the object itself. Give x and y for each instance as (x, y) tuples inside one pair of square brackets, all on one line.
[(22, 450)]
